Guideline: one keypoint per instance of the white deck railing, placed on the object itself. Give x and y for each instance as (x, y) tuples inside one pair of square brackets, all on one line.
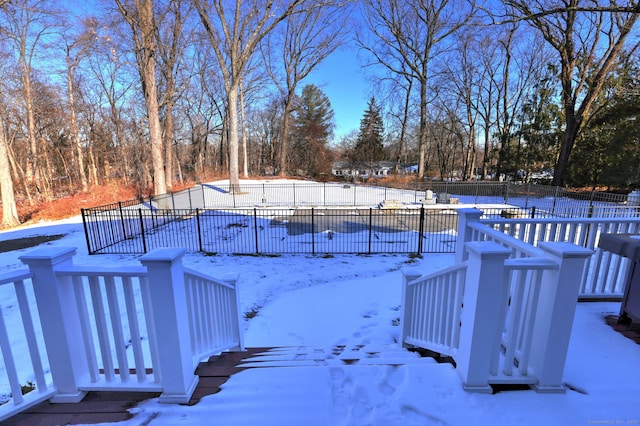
[(21, 346), (116, 321), (124, 328), (213, 315), (605, 273), (511, 305), (432, 306)]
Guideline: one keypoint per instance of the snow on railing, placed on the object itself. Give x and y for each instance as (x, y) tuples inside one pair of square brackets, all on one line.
[(432, 306), (15, 377), (605, 273), (214, 315), (121, 328)]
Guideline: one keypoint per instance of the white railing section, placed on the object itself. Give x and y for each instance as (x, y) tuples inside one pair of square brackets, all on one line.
[(511, 360), (515, 313), (605, 273), (114, 309), (214, 315), (23, 336), (432, 306), (136, 328)]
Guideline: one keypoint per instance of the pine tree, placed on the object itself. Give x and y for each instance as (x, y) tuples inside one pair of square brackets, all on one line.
[(312, 128), (369, 147)]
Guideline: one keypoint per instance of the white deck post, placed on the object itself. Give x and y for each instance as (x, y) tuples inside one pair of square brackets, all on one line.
[(237, 319), (406, 303), (485, 287), (60, 321), (169, 303), (554, 316), (465, 217)]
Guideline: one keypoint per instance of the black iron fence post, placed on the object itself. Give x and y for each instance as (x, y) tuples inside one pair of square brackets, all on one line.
[(173, 201), (313, 233), (199, 230), (533, 212), (124, 229), (370, 227), (83, 212), (144, 242), (255, 227), (420, 229)]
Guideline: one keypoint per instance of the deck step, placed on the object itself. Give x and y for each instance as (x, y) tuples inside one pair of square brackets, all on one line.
[(304, 356)]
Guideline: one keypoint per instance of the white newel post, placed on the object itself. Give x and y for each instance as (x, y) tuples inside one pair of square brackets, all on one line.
[(406, 303), (60, 321), (554, 316), (237, 320), (485, 287), (465, 217), (168, 299)]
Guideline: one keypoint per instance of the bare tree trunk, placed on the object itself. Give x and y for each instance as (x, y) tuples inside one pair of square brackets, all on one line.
[(9, 209), (93, 169), (168, 145), (403, 126), (74, 125), (144, 36), (19, 172), (232, 114), (244, 135), (32, 161), (284, 135), (422, 137)]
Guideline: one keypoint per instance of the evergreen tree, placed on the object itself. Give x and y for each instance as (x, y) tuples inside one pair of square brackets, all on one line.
[(608, 150), (312, 128), (369, 147)]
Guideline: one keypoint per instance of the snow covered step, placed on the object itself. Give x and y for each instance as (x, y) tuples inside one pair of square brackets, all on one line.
[(335, 355)]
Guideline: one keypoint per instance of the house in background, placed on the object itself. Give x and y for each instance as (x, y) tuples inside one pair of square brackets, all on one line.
[(352, 171)]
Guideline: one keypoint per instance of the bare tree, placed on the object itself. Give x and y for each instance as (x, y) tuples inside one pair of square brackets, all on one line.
[(171, 47), (140, 17), (306, 39), (588, 39), (234, 36), (77, 47), (407, 36), (104, 92), (9, 210), (27, 24)]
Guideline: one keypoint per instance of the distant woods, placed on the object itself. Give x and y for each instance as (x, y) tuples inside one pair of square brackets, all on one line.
[(155, 93)]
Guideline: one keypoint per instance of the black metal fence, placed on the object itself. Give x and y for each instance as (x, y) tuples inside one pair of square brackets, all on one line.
[(208, 218), (273, 194), (274, 231)]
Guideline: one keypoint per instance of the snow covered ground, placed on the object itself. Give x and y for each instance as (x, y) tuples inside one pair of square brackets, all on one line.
[(351, 300)]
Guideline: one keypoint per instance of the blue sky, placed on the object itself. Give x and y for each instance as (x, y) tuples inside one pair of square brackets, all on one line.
[(344, 81)]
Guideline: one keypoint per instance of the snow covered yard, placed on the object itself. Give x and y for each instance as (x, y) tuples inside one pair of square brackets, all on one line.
[(350, 300)]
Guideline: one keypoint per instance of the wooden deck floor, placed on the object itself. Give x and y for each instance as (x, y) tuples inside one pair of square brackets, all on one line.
[(104, 407)]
